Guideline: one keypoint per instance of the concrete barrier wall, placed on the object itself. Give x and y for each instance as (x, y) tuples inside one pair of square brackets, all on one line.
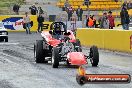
[(118, 40)]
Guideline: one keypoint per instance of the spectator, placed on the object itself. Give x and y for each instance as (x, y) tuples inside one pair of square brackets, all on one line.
[(73, 24), (90, 21), (40, 20), (70, 12), (40, 11), (86, 2), (124, 4), (99, 21), (79, 13), (116, 0), (129, 5), (125, 18), (111, 20), (27, 24), (94, 20), (85, 21), (104, 22), (66, 5), (16, 9), (33, 10)]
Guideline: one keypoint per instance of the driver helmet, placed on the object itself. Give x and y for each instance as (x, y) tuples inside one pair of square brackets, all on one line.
[(57, 26)]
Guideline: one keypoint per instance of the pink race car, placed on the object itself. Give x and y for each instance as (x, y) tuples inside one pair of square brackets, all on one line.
[(60, 45)]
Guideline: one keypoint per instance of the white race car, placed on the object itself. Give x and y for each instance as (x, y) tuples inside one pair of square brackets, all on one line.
[(3, 33)]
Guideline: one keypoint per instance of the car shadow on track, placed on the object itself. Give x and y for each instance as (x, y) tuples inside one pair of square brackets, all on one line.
[(61, 65)]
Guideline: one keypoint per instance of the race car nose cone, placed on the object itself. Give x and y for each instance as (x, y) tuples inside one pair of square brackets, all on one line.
[(77, 58)]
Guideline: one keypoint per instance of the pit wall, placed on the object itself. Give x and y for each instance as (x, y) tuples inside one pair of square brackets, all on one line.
[(116, 40)]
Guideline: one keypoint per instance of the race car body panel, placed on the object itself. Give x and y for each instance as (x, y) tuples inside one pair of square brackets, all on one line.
[(50, 40), (54, 42), (76, 58), (72, 41), (71, 36), (46, 35)]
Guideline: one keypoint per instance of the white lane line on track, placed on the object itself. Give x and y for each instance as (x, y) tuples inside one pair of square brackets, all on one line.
[(9, 43)]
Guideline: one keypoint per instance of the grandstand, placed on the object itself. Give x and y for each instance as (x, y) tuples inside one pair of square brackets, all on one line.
[(96, 5)]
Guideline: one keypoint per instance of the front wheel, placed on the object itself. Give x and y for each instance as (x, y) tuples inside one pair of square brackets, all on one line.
[(94, 55), (55, 57)]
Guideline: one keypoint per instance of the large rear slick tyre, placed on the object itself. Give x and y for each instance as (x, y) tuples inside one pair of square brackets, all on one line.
[(55, 57), (39, 52), (94, 56)]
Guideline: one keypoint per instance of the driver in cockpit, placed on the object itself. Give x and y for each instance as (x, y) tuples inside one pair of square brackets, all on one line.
[(58, 30)]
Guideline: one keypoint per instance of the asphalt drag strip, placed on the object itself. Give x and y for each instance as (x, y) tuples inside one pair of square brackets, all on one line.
[(19, 70)]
